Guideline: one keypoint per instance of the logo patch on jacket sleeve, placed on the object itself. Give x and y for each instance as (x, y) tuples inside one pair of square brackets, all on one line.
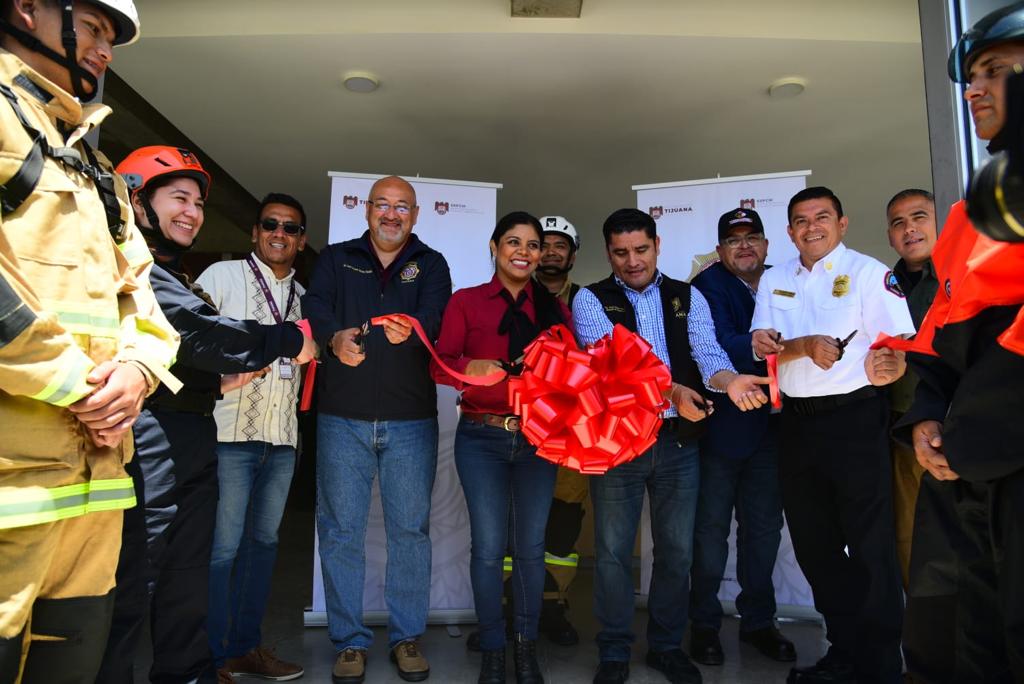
[(892, 284), (409, 272)]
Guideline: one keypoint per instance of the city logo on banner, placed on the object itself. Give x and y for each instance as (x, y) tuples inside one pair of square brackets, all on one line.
[(659, 211), (447, 207), (350, 201), (762, 202)]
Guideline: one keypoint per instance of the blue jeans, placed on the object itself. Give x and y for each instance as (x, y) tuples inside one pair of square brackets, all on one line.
[(350, 453), (670, 474), (254, 481), (508, 492), (751, 485)]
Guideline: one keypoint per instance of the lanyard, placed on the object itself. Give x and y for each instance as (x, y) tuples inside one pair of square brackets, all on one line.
[(266, 290)]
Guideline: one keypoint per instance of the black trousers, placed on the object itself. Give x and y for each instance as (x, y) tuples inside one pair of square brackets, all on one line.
[(836, 481), (965, 611), (165, 554)]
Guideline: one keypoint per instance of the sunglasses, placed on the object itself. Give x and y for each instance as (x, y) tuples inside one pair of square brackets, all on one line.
[(270, 225)]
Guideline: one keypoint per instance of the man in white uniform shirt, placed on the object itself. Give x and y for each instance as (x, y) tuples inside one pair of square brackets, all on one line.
[(820, 312), (256, 434)]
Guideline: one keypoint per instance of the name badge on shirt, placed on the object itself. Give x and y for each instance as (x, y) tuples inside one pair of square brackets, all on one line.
[(285, 369), (784, 293)]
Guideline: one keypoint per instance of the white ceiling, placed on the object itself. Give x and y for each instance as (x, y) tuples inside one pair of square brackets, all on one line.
[(566, 113)]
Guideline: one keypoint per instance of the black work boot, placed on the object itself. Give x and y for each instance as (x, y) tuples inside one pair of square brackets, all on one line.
[(524, 654), (555, 625), (492, 667)]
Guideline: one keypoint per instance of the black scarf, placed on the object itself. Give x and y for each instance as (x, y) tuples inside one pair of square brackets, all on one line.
[(516, 323)]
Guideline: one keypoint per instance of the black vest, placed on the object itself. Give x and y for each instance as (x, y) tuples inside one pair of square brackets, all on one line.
[(675, 308)]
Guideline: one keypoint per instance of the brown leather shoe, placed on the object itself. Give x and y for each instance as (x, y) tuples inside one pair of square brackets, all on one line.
[(224, 677), (349, 667), (261, 662), (412, 666)]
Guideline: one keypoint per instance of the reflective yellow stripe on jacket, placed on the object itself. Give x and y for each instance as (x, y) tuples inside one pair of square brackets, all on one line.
[(35, 505), (570, 561)]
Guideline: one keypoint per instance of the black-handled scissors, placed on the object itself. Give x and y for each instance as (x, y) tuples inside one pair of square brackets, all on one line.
[(842, 344), (360, 337), (513, 367)]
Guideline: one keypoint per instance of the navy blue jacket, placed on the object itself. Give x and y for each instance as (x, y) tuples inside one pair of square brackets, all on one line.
[(212, 344), (346, 290), (732, 433)]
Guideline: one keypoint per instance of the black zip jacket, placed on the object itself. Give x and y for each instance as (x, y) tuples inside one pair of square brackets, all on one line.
[(212, 344), (345, 291)]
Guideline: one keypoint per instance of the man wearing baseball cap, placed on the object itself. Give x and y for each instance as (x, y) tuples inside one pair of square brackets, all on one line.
[(738, 463)]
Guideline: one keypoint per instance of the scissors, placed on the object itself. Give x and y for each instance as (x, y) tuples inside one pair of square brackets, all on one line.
[(513, 367), (842, 344), (360, 337)]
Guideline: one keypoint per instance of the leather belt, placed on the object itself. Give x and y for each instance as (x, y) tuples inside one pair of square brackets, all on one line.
[(809, 406), (508, 423)]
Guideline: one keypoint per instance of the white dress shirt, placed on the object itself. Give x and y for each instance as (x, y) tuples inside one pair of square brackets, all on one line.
[(844, 291)]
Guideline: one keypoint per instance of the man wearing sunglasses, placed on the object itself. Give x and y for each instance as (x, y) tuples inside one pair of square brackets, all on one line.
[(256, 439), (738, 463)]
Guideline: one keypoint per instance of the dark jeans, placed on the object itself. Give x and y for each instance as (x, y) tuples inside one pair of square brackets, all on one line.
[(751, 486), (508, 492), (669, 472), (836, 482)]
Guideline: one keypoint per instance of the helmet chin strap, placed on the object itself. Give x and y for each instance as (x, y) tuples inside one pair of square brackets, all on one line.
[(69, 60)]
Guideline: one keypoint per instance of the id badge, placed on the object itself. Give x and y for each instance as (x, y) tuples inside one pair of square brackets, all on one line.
[(285, 369)]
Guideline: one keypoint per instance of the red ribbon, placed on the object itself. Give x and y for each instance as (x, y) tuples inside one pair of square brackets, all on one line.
[(591, 409), (489, 379), (307, 389), (773, 380)]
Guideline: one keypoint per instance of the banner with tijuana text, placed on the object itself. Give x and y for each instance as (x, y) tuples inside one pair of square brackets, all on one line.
[(687, 215)]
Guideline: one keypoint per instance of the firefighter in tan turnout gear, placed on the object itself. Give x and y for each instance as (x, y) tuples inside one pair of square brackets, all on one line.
[(82, 340)]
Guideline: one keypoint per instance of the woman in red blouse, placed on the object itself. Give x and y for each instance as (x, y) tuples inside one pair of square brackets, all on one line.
[(507, 486)]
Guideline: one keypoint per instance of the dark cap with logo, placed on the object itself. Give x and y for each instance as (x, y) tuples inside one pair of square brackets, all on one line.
[(739, 218)]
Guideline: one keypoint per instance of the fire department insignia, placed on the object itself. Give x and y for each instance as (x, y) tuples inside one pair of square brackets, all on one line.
[(409, 272), (350, 201), (441, 208), (747, 203), (841, 286), (656, 212), (893, 285)]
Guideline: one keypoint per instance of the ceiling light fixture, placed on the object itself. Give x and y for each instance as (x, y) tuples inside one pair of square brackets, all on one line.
[(360, 81), (790, 86)]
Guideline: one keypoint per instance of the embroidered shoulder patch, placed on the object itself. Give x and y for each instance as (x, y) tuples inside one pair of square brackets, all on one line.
[(893, 285)]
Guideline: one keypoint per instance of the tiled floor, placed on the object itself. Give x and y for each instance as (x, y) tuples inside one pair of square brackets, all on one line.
[(452, 663)]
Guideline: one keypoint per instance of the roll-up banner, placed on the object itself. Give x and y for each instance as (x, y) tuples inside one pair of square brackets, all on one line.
[(456, 218), (687, 215)]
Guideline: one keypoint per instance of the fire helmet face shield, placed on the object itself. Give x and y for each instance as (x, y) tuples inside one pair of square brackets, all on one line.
[(997, 27)]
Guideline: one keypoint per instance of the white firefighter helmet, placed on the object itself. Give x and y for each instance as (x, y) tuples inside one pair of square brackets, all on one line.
[(558, 225)]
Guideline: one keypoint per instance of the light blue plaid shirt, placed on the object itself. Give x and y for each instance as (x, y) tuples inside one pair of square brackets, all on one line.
[(592, 324)]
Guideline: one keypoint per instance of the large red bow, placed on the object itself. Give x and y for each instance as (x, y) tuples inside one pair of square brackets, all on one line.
[(591, 409)]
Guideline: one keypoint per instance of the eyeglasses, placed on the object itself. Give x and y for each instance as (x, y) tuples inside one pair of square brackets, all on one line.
[(384, 207), (270, 225), (751, 240)]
